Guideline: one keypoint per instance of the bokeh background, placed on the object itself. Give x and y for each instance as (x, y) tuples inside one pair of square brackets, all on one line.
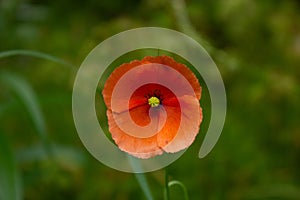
[(256, 45)]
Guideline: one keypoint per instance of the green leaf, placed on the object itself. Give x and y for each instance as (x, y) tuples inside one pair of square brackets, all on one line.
[(23, 90), (10, 181)]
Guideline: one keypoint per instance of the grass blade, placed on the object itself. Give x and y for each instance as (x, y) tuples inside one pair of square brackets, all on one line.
[(10, 181), (23, 90), (35, 54), (140, 177)]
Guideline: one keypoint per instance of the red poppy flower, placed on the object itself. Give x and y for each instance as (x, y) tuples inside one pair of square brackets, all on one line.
[(153, 106)]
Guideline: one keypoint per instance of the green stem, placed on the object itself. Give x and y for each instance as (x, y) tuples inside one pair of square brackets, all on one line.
[(167, 191)]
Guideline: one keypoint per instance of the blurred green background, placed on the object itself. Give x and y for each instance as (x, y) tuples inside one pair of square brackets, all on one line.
[(256, 45)]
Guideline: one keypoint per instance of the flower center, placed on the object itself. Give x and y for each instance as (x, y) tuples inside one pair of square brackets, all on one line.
[(153, 101)]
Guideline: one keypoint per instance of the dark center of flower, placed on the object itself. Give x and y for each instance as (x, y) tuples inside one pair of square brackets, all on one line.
[(153, 101)]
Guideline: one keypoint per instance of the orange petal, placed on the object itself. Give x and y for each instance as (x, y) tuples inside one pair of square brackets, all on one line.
[(139, 147), (186, 72), (189, 127), (169, 130), (114, 78)]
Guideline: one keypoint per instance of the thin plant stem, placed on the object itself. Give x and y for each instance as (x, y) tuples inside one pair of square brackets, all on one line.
[(167, 191)]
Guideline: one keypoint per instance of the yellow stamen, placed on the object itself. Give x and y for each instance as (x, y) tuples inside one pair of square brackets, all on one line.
[(153, 101)]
